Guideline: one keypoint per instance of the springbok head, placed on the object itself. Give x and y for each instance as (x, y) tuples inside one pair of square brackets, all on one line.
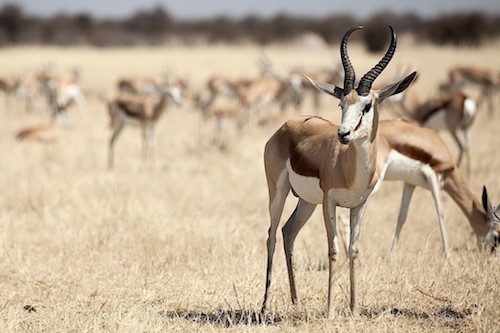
[(359, 111), (492, 240), (172, 91)]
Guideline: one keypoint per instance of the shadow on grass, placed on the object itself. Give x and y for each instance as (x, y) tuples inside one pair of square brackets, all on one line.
[(446, 312), (446, 316), (226, 318), (230, 318)]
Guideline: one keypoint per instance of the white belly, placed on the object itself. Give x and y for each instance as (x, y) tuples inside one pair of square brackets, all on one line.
[(308, 189), (408, 170), (305, 187)]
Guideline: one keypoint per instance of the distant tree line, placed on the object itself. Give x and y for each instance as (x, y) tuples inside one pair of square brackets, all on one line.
[(157, 26)]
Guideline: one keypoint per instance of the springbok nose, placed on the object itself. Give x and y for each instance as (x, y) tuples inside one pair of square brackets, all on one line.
[(343, 134)]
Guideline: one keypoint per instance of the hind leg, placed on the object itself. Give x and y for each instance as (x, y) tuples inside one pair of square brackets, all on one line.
[(276, 203), (297, 220)]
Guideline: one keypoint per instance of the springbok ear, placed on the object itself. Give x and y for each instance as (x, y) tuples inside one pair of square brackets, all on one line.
[(490, 211), (326, 87), (396, 88)]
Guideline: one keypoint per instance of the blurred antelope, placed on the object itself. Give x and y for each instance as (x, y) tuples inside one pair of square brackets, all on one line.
[(132, 109), (62, 91), (328, 164), (486, 79), (8, 87), (454, 113), (45, 133), (28, 89), (223, 116), (332, 76)]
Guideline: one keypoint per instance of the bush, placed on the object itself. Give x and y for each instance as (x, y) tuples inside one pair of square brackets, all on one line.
[(461, 29), (376, 36)]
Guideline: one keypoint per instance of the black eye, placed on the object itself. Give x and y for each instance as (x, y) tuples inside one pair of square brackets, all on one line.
[(367, 108)]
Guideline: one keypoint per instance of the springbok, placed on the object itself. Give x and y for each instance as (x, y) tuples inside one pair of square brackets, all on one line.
[(62, 91), (328, 164), (139, 110), (419, 157)]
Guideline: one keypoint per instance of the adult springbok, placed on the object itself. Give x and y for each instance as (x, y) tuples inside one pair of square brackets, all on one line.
[(327, 164), (139, 110), (419, 157)]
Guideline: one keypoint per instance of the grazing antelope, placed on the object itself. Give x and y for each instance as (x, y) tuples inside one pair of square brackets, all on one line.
[(419, 157), (486, 79), (139, 110), (327, 164), (454, 113)]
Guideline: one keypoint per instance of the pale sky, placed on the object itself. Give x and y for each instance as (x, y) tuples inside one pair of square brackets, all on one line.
[(239, 8)]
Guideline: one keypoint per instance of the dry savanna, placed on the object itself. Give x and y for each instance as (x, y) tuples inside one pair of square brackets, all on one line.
[(178, 242)]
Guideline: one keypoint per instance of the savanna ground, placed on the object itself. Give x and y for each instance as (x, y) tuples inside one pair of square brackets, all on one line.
[(180, 246)]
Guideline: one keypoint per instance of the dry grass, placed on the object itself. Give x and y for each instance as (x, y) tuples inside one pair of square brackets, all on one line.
[(181, 246)]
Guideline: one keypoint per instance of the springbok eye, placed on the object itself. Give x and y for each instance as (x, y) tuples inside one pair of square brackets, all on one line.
[(367, 108)]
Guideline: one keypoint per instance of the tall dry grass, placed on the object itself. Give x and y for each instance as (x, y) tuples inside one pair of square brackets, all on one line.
[(180, 246)]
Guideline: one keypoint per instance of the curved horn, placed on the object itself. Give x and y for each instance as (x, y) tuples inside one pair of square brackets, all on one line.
[(349, 76), (365, 84)]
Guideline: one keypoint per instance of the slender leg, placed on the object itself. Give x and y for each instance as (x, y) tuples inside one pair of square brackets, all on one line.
[(151, 145), (466, 133), (356, 216), (488, 93), (403, 213), (276, 203), (144, 146), (81, 103), (117, 129), (329, 215), (297, 220), (461, 148), (434, 185)]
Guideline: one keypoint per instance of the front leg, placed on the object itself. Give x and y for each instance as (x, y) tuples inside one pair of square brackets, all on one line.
[(329, 215), (355, 221)]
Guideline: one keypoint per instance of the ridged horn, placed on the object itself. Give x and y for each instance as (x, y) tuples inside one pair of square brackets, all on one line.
[(365, 84), (349, 75)]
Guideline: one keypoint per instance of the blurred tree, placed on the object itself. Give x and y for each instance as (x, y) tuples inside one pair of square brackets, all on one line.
[(222, 28), (376, 36), (155, 21), (460, 29), (11, 21)]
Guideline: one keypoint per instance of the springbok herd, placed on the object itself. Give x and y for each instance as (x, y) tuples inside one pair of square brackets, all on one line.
[(335, 165)]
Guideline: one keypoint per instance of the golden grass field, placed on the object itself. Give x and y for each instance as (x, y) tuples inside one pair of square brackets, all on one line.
[(180, 246)]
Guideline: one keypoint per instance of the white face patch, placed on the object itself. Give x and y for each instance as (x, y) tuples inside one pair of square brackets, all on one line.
[(306, 187), (354, 120)]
